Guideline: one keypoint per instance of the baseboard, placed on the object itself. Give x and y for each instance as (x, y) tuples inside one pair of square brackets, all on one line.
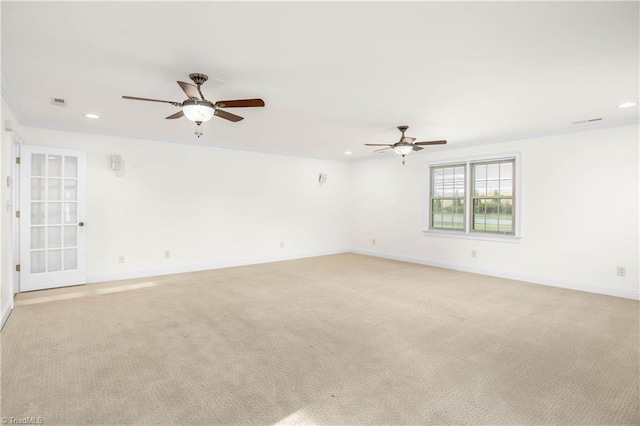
[(228, 263), (529, 278), (6, 310)]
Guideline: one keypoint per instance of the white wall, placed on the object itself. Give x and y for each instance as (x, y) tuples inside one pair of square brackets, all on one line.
[(214, 207), (6, 209), (209, 207), (579, 212)]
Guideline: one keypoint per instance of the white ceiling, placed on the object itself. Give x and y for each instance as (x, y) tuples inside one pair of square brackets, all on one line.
[(333, 75)]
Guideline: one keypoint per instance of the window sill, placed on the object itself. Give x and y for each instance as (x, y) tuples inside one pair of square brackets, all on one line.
[(514, 239)]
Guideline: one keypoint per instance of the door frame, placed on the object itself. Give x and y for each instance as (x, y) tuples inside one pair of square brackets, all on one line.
[(15, 204)]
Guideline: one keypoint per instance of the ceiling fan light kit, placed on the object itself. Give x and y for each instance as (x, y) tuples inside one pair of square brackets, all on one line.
[(198, 109), (406, 145), (403, 148)]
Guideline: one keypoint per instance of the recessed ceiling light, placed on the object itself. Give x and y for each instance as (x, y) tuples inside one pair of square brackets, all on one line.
[(91, 116), (627, 105), (348, 152)]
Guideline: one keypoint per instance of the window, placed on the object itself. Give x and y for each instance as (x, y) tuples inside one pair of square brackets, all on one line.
[(475, 196), (447, 197), (492, 197)]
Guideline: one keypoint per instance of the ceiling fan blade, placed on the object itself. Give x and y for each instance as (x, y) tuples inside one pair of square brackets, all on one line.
[(176, 115), (378, 144), (152, 100), (189, 89), (408, 139), (431, 143), (382, 150), (417, 148), (240, 103), (227, 115)]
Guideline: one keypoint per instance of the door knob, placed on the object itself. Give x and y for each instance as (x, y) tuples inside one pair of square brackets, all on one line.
[(81, 224)]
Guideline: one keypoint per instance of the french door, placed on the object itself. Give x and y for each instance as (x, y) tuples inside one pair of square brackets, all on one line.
[(52, 211)]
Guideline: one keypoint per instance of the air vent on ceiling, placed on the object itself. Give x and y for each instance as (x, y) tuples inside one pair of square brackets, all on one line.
[(587, 121), (59, 102)]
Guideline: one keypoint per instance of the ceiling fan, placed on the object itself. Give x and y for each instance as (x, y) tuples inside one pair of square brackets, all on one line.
[(199, 110), (405, 145)]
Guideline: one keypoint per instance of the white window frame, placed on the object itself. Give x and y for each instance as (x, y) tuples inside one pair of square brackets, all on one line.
[(468, 232), (432, 198)]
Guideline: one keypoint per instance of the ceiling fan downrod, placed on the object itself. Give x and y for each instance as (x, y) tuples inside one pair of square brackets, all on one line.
[(402, 129), (199, 80)]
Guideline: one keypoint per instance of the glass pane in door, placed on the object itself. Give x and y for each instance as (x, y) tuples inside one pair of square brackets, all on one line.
[(37, 213), (70, 167), (38, 165), (38, 262), (55, 166), (70, 213), (70, 259), (37, 237), (54, 187), (37, 188), (71, 236), (54, 237), (70, 189), (54, 263), (54, 213)]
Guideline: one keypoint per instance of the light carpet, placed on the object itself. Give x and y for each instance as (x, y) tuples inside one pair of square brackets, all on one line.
[(343, 339)]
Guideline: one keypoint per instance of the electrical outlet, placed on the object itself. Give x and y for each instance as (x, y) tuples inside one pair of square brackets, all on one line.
[(373, 242), (281, 244), (121, 259), (621, 271), (167, 254), (474, 253)]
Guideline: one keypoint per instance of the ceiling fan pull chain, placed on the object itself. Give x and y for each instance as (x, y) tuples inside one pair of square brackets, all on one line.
[(198, 132)]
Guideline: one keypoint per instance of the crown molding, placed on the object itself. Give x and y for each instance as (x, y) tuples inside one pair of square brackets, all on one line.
[(11, 99)]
